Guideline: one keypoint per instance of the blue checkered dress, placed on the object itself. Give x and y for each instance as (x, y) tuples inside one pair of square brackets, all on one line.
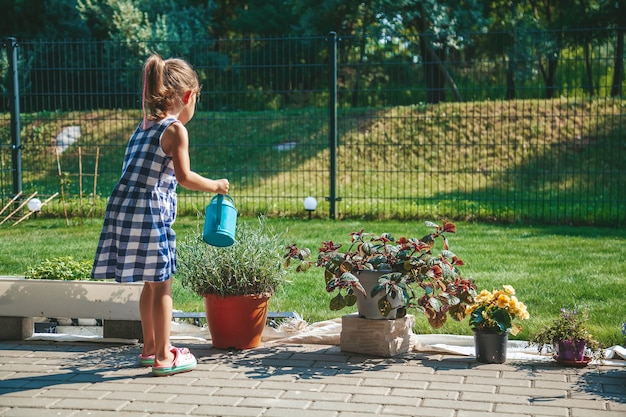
[(137, 242)]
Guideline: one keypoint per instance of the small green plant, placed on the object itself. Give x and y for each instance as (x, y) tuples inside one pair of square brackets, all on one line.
[(64, 268), (571, 325), (252, 265)]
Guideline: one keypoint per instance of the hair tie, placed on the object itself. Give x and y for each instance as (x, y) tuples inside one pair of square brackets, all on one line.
[(143, 97)]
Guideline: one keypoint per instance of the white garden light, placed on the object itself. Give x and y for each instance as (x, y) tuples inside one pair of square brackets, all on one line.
[(310, 204), (34, 204)]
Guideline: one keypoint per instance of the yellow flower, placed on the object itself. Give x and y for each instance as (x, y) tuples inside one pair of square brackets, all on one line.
[(519, 309), (509, 289), (503, 301), (523, 312), (484, 297), (491, 301)]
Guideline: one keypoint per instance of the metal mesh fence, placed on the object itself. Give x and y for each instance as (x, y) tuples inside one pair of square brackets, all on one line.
[(480, 133)]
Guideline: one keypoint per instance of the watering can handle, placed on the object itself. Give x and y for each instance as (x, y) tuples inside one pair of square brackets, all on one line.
[(220, 197), (218, 214), (220, 200)]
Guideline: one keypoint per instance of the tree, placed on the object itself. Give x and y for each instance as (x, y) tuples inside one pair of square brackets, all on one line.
[(614, 13), (224, 13), (618, 68), (513, 29), (555, 16), (48, 19), (440, 26), (164, 25), (139, 28), (265, 18), (357, 24)]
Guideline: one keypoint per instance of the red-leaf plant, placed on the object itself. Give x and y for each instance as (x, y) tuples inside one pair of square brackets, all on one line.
[(428, 282)]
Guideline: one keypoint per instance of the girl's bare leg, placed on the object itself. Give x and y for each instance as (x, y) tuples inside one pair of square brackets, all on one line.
[(147, 323), (155, 309)]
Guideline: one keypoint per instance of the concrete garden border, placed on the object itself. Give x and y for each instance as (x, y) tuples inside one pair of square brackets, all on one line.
[(22, 299)]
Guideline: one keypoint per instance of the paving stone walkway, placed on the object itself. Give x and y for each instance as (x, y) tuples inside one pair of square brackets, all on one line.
[(42, 379)]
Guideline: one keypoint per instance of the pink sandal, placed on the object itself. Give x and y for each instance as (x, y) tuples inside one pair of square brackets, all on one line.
[(146, 360), (184, 361)]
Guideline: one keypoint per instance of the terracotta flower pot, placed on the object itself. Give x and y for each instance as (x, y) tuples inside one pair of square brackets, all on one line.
[(490, 347), (236, 322)]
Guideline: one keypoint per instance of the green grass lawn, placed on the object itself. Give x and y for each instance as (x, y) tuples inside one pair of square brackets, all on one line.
[(550, 266), (510, 161)]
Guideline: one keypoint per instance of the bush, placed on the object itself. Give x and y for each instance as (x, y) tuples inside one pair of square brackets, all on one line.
[(62, 268), (252, 265)]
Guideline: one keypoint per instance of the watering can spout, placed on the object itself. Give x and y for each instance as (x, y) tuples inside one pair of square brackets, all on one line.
[(220, 221)]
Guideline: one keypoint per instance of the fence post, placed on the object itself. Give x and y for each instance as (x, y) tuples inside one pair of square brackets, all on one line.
[(332, 128), (14, 99)]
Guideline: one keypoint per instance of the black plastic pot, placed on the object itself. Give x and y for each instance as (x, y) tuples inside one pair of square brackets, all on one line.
[(490, 346)]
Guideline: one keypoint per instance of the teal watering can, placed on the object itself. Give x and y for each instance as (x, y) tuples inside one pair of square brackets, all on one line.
[(220, 221)]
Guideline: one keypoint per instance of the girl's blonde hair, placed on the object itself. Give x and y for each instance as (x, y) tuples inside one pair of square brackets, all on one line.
[(164, 82)]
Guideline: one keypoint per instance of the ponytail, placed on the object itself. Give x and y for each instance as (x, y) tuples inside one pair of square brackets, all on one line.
[(164, 81)]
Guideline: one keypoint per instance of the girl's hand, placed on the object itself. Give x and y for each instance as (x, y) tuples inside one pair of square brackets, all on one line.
[(222, 186)]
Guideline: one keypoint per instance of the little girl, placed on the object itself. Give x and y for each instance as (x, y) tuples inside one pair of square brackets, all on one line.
[(137, 242)]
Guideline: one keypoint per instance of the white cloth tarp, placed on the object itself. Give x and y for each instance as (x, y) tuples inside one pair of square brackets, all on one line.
[(296, 331), (328, 333)]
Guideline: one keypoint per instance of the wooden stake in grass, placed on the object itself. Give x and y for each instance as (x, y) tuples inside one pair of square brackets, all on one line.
[(95, 175), (31, 212), (11, 202), (18, 208), (80, 180), (62, 186), (81, 174)]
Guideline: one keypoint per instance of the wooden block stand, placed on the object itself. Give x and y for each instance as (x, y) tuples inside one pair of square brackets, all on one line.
[(376, 337)]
